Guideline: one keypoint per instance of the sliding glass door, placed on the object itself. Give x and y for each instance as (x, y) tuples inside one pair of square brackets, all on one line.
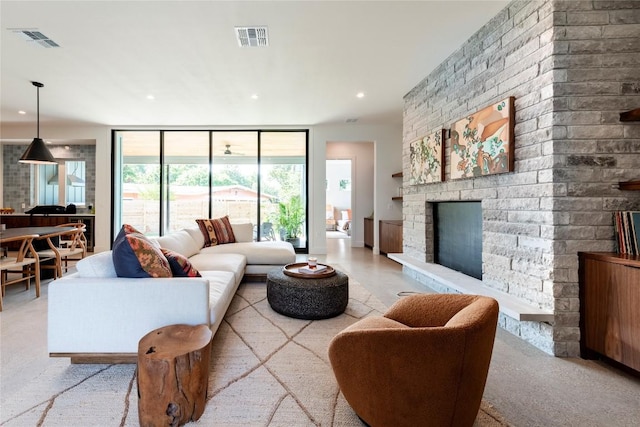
[(185, 163), (164, 180), (283, 182), (137, 180), (235, 175)]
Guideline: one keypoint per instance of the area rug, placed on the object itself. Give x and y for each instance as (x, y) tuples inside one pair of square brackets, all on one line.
[(266, 370)]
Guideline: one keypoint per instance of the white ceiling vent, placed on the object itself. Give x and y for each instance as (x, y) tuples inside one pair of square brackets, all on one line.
[(33, 35), (252, 36)]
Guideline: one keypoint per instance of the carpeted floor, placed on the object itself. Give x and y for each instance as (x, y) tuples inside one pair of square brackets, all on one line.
[(266, 370)]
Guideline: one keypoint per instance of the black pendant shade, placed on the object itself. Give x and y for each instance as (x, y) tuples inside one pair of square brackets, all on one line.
[(37, 152)]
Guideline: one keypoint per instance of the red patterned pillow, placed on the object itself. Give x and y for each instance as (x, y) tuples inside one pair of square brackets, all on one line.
[(216, 231), (180, 265), (136, 256)]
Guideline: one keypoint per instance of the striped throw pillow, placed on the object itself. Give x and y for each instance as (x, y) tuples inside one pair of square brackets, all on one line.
[(216, 231)]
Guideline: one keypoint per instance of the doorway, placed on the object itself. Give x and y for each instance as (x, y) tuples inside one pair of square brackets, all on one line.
[(338, 210)]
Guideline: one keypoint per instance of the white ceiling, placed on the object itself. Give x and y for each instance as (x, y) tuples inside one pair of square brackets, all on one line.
[(321, 53)]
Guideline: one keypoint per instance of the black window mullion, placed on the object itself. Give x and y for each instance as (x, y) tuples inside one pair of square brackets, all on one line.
[(163, 187)]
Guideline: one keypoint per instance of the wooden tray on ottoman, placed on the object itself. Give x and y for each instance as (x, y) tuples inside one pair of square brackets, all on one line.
[(292, 270)]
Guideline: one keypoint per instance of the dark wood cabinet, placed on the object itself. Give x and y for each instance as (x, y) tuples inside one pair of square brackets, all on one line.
[(368, 232), (390, 236), (609, 307), (20, 220)]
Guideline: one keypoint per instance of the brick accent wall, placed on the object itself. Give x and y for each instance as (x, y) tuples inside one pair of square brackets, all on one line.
[(572, 67)]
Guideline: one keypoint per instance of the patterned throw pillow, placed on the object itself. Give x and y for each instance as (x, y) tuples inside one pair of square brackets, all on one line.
[(216, 231), (180, 265), (136, 256)]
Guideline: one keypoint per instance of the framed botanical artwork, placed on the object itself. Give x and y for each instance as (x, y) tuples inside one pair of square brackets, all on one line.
[(427, 159), (482, 143)]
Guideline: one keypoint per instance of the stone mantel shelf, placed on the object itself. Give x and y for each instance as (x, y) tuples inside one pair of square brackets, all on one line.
[(510, 305)]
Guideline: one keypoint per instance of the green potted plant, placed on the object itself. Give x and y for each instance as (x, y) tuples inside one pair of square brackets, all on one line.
[(290, 220)]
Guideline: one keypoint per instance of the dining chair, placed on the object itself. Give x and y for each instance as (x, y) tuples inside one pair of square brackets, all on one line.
[(65, 245), (24, 263), (76, 243)]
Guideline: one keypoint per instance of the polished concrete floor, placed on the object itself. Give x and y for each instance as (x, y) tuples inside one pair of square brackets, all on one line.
[(527, 386)]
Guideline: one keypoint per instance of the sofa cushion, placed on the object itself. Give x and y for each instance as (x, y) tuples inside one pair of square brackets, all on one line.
[(97, 265), (134, 255), (272, 252), (243, 232), (216, 231), (196, 235), (222, 288), (179, 241), (229, 262), (180, 265)]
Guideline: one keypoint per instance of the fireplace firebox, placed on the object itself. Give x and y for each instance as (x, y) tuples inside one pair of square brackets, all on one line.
[(458, 236)]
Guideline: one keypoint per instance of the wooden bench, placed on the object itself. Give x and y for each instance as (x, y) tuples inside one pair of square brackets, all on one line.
[(509, 305)]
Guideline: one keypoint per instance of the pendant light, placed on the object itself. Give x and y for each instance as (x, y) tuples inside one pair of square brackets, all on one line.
[(37, 152)]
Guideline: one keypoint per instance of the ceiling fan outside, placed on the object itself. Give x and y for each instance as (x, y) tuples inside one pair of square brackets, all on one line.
[(228, 152)]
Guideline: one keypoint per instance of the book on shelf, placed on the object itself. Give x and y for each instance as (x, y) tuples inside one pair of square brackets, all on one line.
[(627, 232), (312, 270)]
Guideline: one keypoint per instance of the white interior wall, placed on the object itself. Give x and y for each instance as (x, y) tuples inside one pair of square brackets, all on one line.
[(337, 170), (386, 160)]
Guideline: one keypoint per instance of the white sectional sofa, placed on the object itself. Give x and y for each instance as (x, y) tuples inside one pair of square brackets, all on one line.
[(97, 317)]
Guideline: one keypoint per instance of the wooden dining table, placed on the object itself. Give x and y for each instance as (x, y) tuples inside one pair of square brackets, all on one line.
[(26, 258)]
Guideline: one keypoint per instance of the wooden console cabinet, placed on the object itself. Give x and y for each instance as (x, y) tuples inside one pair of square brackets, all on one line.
[(390, 236), (610, 307), (368, 232)]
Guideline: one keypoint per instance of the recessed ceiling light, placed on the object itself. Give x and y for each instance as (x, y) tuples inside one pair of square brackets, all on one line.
[(22, 112), (254, 96), (151, 97), (360, 95)]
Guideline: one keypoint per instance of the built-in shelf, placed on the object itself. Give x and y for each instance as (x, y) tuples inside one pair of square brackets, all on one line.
[(397, 175), (629, 185), (630, 116)]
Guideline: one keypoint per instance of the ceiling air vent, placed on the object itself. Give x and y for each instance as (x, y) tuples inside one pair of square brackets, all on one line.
[(33, 35), (252, 36), (351, 120)]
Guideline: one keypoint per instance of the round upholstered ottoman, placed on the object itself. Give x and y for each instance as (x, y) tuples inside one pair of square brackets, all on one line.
[(311, 299)]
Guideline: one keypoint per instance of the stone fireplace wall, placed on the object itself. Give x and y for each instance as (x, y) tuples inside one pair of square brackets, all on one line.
[(572, 67)]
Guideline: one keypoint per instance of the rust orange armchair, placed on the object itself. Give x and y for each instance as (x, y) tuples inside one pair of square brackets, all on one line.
[(424, 363)]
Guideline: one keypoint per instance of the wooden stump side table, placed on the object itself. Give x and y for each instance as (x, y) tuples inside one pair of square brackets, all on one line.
[(173, 372)]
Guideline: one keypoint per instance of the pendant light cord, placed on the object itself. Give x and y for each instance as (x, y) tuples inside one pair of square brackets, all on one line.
[(38, 85), (38, 111)]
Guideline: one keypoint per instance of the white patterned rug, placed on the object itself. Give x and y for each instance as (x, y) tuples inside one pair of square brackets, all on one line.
[(266, 370)]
